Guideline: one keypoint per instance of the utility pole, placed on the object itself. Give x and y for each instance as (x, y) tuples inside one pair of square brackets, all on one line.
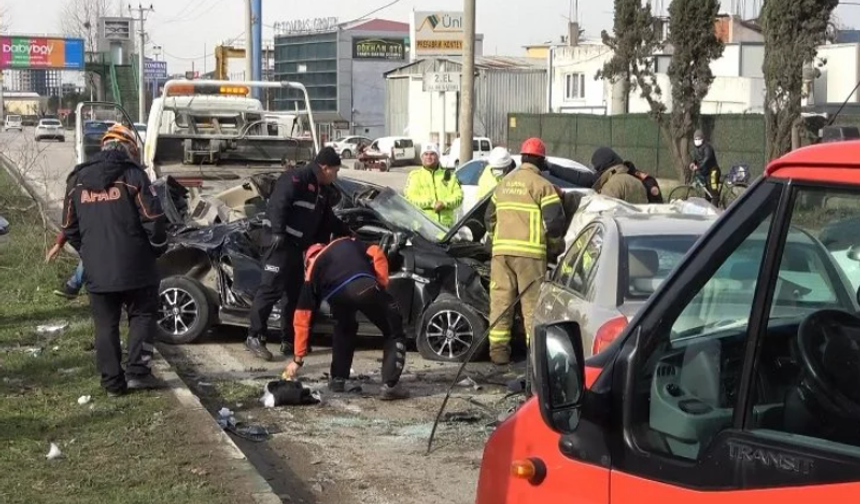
[(141, 90), (248, 38), (467, 91)]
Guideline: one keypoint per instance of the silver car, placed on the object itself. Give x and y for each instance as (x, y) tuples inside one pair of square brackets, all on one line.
[(611, 269), (50, 128)]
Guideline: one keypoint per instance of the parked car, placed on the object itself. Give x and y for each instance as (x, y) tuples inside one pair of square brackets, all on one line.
[(50, 128), (350, 146), (564, 173), (481, 147), (611, 269), (13, 122), (400, 150), (439, 276)]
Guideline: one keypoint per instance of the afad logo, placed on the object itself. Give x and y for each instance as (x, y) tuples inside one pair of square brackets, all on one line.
[(442, 23), (30, 49)]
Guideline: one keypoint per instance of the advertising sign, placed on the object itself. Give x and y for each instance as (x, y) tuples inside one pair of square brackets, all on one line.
[(437, 33), (154, 70), (41, 52), (376, 48), (442, 82), (310, 25)]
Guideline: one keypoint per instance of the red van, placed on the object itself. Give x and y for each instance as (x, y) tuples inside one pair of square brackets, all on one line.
[(738, 383)]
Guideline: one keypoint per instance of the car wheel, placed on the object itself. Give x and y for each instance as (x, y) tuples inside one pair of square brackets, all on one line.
[(449, 329), (185, 311), (346, 154)]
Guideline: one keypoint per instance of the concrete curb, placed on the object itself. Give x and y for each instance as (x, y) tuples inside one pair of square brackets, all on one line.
[(262, 492)]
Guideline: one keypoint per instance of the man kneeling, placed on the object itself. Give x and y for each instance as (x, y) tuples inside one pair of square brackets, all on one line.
[(352, 277)]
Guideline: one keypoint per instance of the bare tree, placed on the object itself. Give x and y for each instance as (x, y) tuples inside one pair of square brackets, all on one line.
[(79, 18)]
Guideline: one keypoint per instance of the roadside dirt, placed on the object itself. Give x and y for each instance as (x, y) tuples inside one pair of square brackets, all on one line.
[(353, 448)]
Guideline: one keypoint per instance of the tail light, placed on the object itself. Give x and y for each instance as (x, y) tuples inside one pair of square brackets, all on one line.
[(607, 333)]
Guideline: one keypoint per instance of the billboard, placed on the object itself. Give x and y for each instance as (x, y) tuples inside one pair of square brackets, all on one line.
[(437, 33), (23, 52), (379, 48), (154, 70)]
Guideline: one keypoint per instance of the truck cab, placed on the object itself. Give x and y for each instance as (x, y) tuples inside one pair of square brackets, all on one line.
[(737, 381)]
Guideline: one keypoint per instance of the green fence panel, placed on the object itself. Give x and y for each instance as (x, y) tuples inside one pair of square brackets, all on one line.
[(592, 131), (635, 138), (559, 134), (521, 127)]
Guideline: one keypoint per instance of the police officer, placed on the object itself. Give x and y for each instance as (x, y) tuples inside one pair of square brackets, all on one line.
[(113, 218), (434, 189), (299, 213), (499, 164), (352, 277)]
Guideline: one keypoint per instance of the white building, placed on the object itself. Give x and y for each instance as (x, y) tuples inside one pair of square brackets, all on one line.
[(839, 67), (574, 87)]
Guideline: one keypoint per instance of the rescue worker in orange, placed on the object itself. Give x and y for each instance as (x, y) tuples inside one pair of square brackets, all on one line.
[(525, 218), (113, 218), (352, 277)]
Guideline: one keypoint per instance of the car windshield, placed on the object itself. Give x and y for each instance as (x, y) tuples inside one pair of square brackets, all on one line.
[(50, 122), (14, 118), (405, 216), (650, 259)]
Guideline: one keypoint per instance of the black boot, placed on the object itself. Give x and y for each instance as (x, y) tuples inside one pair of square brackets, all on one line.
[(257, 346)]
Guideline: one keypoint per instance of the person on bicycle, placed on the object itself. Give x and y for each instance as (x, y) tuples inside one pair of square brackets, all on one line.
[(705, 167)]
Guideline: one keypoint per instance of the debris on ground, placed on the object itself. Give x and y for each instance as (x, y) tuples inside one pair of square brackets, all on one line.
[(69, 371), (34, 352), (84, 399), (227, 421), (462, 417), (469, 383), (288, 393), (52, 329), (318, 488), (54, 452)]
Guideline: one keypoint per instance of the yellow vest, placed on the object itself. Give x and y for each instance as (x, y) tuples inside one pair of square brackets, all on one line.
[(424, 187)]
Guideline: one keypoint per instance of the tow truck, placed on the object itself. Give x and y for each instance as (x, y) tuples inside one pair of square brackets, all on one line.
[(210, 131), (738, 382)]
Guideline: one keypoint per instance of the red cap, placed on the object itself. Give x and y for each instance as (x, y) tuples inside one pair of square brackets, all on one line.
[(534, 146)]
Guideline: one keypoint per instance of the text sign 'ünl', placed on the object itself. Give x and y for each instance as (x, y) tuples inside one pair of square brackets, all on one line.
[(442, 81)]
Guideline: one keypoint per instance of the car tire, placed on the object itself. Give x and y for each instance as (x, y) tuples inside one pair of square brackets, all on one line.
[(433, 341), (346, 154), (189, 295)]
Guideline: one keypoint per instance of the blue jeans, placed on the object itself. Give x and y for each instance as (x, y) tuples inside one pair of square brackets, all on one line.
[(76, 281)]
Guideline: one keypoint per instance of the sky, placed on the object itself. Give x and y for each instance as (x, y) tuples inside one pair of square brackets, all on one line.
[(185, 28)]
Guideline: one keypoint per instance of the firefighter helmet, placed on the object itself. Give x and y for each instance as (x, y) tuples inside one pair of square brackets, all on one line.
[(534, 147)]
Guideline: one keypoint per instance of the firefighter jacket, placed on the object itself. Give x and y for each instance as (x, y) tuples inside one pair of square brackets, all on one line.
[(525, 215), (616, 182), (426, 186), (301, 208), (112, 216), (338, 264), (487, 182)]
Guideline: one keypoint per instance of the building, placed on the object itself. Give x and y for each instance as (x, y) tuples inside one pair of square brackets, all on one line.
[(43, 82), (574, 87), (502, 85), (342, 67), (835, 81)]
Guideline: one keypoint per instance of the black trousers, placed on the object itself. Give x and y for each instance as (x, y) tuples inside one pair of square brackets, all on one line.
[(141, 305), (282, 279), (366, 296)]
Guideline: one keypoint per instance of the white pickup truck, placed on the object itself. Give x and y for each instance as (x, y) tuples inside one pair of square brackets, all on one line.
[(205, 132)]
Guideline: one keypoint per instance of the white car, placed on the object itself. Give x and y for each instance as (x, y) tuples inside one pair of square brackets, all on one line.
[(13, 122), (565, 173), (348, 147), (481, 147), (50, 128)]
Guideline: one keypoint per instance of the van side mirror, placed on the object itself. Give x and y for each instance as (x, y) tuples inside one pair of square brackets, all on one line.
[(559, 364)]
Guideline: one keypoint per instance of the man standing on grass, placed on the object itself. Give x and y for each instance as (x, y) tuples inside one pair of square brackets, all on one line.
[(113, 218)]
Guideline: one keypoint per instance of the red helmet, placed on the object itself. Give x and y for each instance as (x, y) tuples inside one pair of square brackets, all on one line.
[(534, 146), (313, 251)]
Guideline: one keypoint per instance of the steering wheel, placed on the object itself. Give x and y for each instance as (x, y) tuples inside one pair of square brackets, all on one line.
[(829, 345)]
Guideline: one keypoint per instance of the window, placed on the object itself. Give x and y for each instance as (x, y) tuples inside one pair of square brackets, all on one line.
[(574, 86), (580, 281), (564, 272), (806, 392), (485, 146), (650, 259), (403, 143), (688, 374)]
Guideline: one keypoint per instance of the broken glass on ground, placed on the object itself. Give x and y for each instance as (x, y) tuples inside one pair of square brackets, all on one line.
[(53, 329)]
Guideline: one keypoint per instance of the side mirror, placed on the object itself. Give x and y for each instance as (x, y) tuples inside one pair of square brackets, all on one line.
[(559, 365)]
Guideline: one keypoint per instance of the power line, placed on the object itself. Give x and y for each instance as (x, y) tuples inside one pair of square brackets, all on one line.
[(194, 17)]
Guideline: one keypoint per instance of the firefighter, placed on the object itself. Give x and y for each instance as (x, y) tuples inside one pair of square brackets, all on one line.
[(499, 164), (705, 167), (434, 189), (352, 277), (614, 178), (525, 217), (299, 214), (113, 218)]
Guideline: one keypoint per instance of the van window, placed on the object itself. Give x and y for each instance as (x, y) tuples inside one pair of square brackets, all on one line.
[(485, 146), (476, 145), (404, 143)]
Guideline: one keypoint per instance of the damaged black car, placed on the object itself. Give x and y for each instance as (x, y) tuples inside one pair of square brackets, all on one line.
[(212, 269)]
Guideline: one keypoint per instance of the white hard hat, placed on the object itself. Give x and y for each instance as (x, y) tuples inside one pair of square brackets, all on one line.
[(499, 158), (430, 148)]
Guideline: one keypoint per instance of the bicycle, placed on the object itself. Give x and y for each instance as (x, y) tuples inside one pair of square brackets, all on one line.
[(730, 188)]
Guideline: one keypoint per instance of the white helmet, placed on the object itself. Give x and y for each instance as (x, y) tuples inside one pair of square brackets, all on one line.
[(499, 158)]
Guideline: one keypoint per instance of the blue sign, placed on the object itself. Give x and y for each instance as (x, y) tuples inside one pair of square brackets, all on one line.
[(154, 70)]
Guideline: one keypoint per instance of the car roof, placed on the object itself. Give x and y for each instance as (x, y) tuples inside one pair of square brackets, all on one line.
[(649, 224), (832, 154)]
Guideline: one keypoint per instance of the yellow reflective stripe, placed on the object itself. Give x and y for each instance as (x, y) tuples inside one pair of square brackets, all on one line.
[(538, 252), (549, 200), (535, 227), (525, 207)]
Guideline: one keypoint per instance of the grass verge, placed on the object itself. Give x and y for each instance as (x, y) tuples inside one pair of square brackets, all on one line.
[(141, 448)]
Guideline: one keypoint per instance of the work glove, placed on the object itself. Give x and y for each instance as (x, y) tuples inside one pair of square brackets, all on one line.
[(278, 240)]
